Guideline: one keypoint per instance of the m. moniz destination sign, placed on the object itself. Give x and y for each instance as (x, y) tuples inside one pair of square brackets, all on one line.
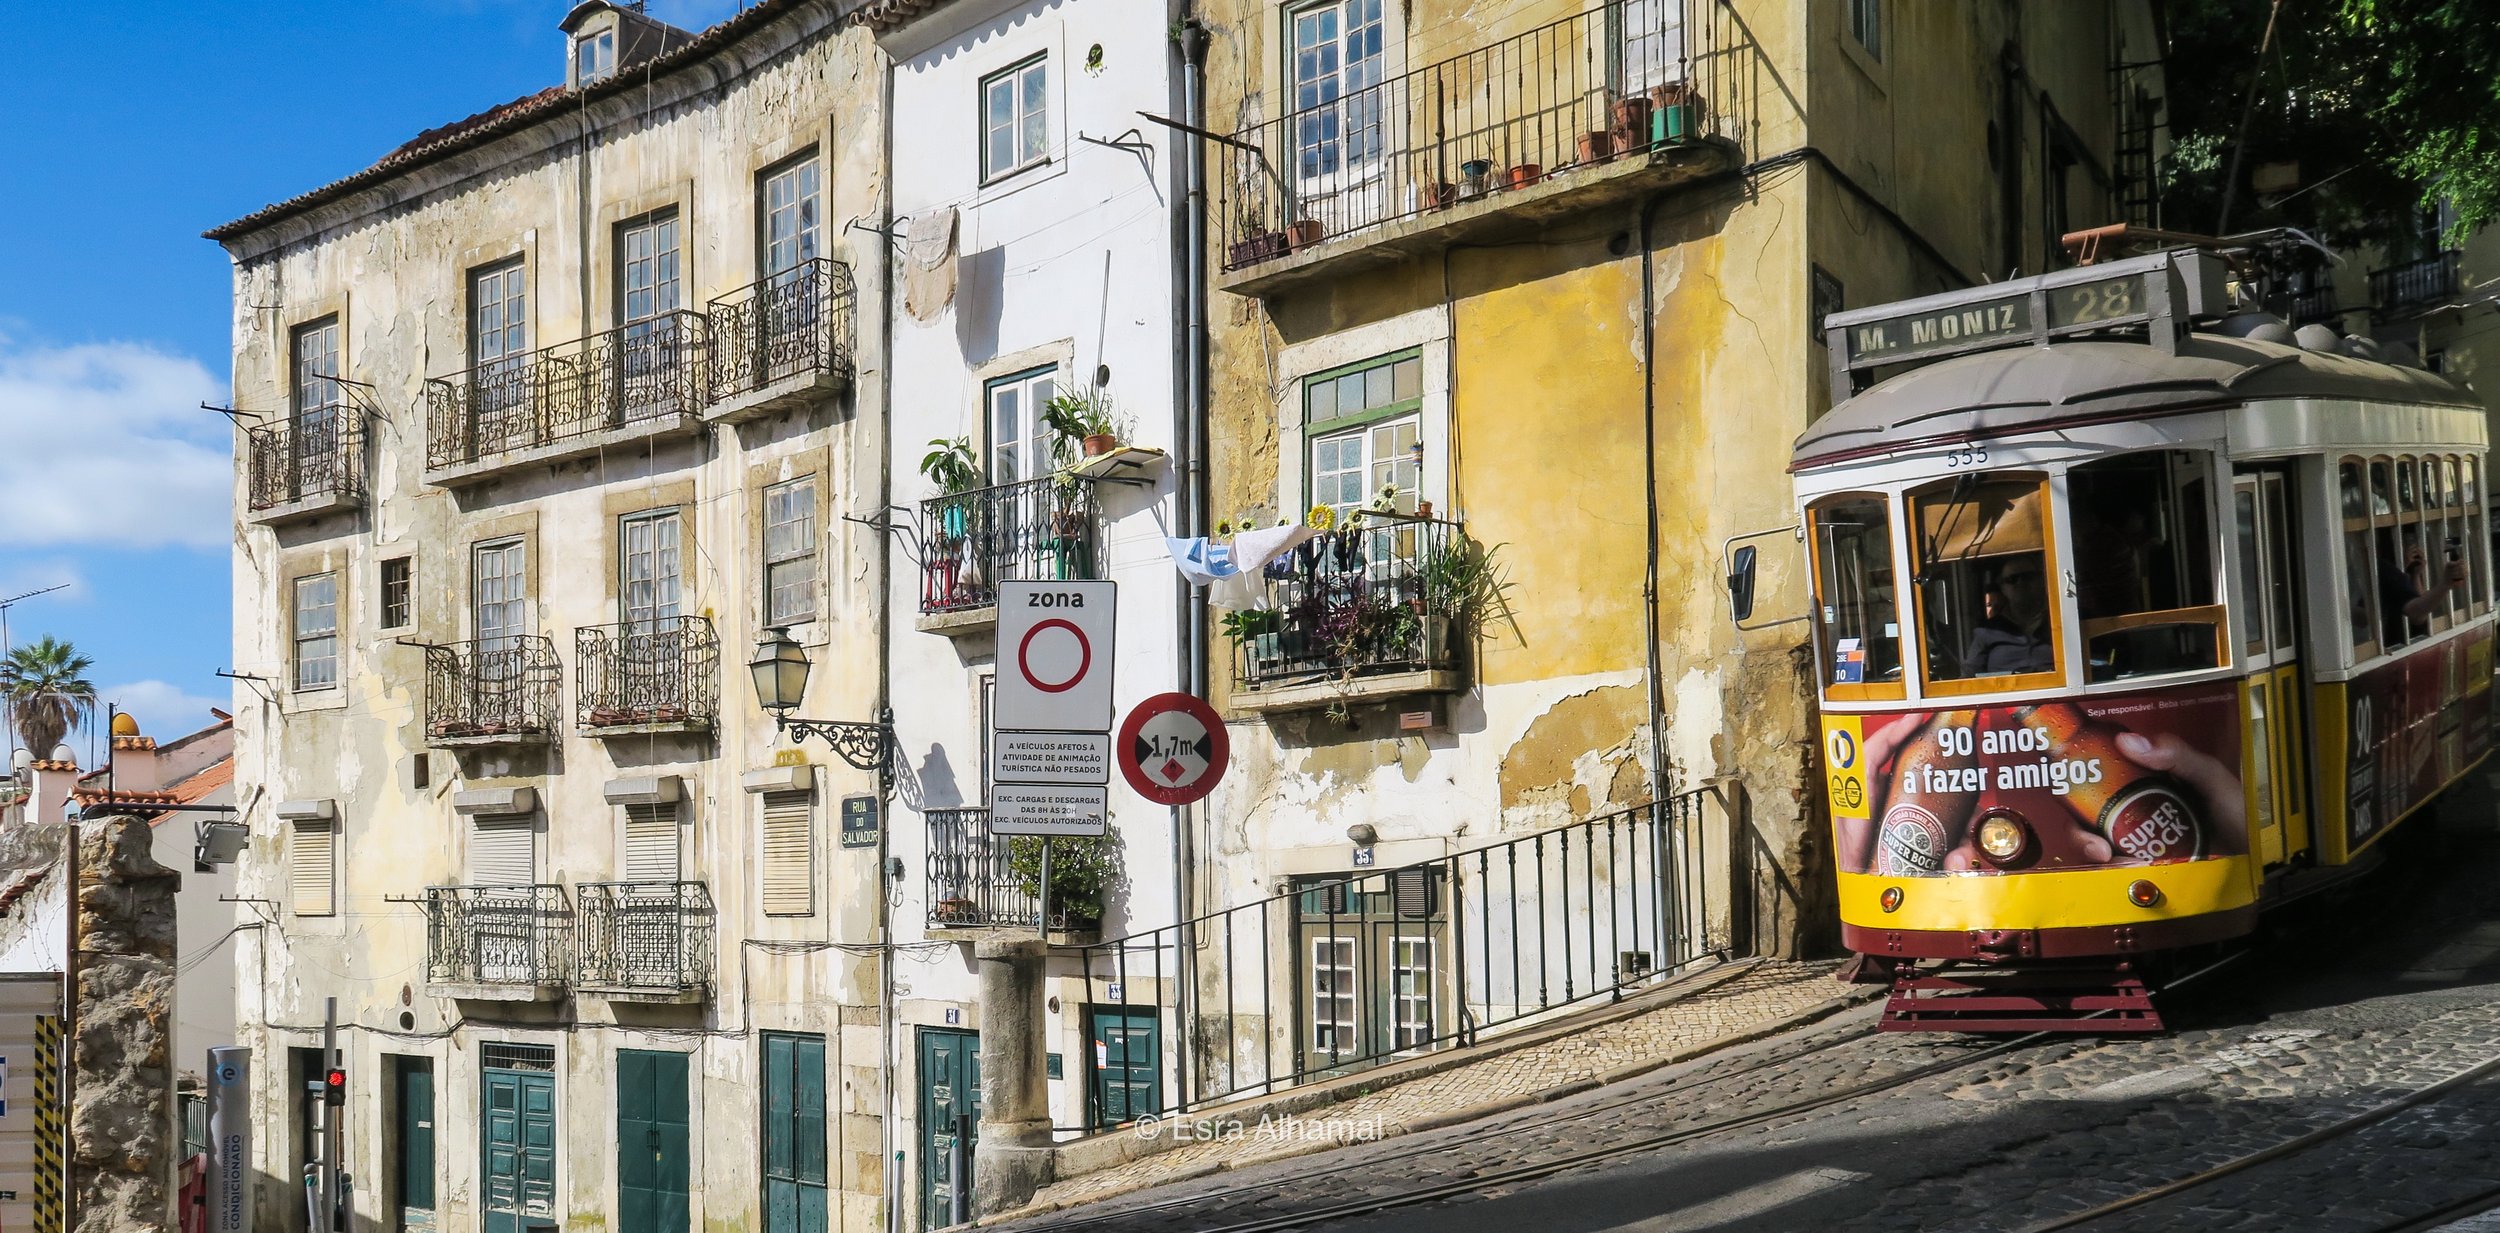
[(1912, 335), (2163, 289)]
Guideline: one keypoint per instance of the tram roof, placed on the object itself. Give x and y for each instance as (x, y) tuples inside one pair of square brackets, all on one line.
[(2026, 388)]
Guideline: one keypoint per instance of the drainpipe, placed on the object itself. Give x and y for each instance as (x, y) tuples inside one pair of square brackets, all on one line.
[(885, 659), (1659, 785), (1193, 426)]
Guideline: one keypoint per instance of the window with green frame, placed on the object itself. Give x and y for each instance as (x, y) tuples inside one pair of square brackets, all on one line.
[(1363, 425)]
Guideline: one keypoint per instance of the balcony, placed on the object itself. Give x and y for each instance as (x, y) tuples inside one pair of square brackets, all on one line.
[(2308, 297), (310, 464), (499, 691), (781, 342), (645, 677), (1374, 611), (646, 941), (971, 884), (497, 943), (2418, 287), (1598, 109), (1039, 530), (627, 386)]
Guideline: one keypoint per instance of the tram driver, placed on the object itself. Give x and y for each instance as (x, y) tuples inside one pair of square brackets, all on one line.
[(2405, 597), (2013, 631)]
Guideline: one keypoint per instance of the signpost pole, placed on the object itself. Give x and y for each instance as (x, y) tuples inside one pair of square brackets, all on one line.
[(1041, 906)]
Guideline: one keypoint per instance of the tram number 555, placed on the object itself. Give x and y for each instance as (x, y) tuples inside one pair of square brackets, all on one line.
[(1966, 457)]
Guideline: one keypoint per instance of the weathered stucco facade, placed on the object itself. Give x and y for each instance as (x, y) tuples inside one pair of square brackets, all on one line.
[(547, 451), (1616, 348)]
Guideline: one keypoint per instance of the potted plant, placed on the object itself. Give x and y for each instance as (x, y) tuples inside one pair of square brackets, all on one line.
[(1440, 195), (1081, 420), (1257, 243), (1257, 631), (1462, 584), (1524, 174), (1596, 147), (1304, 233), (952, 466), (1475, 178), (1675, 113), (1083, 873), (1629, 116)]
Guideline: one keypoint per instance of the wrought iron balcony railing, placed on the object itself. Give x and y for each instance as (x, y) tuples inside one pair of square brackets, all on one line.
[(972, 884), (637, 673), (1039, 530), (794, 324), (642, 373), (313, 454), (1377, 596), (498, 935), (2418, 285), (491, 690), (654, 936), (1616, 80)]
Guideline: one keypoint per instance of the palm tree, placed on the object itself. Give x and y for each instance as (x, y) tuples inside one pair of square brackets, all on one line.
[(46, 689)]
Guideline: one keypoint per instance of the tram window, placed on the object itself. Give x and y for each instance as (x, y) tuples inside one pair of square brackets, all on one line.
[(2448, 493), (2348, 476), (2399, 585), (2477, 539), (1854, 596), (1986, 609), (2382, 484), (2406, 498), (2144, 577), (2360, 576)]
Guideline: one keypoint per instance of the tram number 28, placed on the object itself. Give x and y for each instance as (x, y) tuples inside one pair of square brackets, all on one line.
[(1965, 457)]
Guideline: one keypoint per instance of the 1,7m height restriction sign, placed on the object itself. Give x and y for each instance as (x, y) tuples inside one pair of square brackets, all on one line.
[(1050, 753)]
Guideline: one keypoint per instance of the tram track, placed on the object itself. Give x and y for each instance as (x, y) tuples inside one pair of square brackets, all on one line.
[(1539, 1170), (2333, 1132)]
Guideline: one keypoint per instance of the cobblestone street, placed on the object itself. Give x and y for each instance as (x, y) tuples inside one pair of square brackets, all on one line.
[(2353, 1001)]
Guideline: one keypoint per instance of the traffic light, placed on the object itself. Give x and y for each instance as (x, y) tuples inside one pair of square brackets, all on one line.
[(334, 1086)]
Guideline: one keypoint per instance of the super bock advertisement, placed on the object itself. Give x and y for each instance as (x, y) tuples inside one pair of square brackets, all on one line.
[(2135, 779)]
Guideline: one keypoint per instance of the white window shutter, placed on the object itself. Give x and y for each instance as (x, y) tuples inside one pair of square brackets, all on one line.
[(651, 843), (503, 851), (313, 868), (789, 854)]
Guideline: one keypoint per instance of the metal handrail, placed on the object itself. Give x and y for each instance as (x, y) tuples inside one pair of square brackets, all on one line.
[(1040, 530), (644, 372), (316, 452), (1427, 956), (2432, 280), (660, 671), (498, 935), (790, 324), (1623, 78), (1371, 597), (970, 883), (501, 687), (645, 935)]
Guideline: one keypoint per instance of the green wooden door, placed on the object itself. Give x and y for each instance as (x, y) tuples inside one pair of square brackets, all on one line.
[(1122, 1083), (653, 1142), (950, 1119), (413, 1170), (519, 1133), (794, 1134)]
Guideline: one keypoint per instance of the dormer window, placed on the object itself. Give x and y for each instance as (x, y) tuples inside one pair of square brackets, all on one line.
[(594, 57)]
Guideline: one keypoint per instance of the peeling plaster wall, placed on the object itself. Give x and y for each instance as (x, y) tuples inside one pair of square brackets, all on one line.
[(392, 261)]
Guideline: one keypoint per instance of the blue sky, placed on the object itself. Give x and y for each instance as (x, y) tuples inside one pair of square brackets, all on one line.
[(137, 126)]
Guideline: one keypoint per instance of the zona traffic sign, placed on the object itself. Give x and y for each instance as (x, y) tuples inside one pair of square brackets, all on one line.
[(1054, 656), (1173, 748)]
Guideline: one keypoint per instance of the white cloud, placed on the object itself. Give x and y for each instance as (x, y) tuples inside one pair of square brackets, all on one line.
[(164, 710), (106, 444)]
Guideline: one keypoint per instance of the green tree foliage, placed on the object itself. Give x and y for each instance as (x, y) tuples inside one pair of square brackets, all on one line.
[(2386, 105), (47, 691)]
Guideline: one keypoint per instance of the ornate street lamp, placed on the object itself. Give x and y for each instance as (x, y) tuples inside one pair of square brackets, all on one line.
[(780, 670)]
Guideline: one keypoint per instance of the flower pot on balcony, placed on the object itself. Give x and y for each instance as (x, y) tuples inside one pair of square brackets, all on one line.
[(1525, 174), (1101, 443), (1475, 178), (1596, 148), (1305, 233), (1265, 246), (1440, 196), (1436, 640), (1630, 115), (1675, 113), (1267, 650), (951, 911)]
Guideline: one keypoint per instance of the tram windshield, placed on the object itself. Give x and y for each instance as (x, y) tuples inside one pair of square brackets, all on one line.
[(1986, 607), (1855, 601)]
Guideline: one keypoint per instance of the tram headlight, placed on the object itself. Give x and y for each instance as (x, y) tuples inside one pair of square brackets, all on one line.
[(2002, 836), (2143, 894), (1890, 899)]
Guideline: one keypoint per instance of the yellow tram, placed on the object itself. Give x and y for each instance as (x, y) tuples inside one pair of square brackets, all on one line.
[(2133, 615)]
